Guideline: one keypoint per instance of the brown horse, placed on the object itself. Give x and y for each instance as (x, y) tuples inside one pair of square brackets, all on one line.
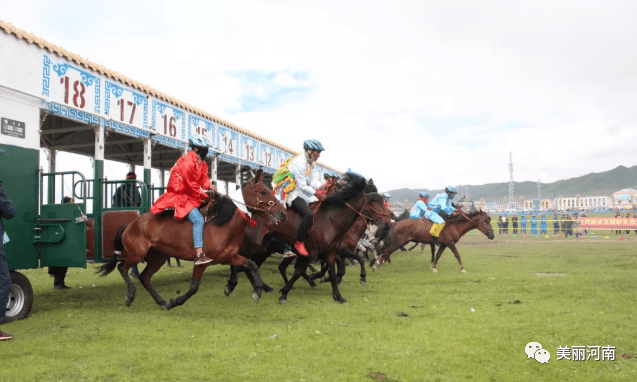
[(457, 225), (155, 238), (335, 216)]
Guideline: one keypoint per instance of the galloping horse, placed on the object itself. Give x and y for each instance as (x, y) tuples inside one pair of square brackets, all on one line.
[(374, 213), (155, 238), (457, 225), (336, 214)]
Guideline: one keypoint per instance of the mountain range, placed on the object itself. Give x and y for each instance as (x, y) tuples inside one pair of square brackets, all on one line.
[(593, 184)]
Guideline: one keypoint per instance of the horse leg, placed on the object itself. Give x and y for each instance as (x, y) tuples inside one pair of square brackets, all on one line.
[(299, 269), (123, 270), (317, 275), (455, 252), (197, 272), (333, 278), (440, 249), (153, 264), (232, 281), (433, 251), (283, 266), (252, 272), (357, 257)]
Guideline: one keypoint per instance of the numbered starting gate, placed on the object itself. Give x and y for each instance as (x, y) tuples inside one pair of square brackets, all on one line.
[(54, 101)]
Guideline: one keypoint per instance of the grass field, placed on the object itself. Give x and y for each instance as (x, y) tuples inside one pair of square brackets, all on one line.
[(407, 324)]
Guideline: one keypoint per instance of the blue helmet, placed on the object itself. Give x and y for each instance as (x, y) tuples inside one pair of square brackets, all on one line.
[(386, 196), (198, 140), (450, 190), (312, 144), (424, 195)]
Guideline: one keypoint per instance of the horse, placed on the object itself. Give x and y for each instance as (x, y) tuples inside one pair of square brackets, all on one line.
[(350, 242), (286, 233), (335, 215), (457, 225), (155, 238)]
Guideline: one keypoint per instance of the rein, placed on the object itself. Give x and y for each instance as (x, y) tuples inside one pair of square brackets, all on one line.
[(368, 219), (249, 207), (468, 218)]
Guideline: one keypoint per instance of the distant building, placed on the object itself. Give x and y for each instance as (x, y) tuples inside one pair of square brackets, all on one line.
[(582, 203), (625, 199)]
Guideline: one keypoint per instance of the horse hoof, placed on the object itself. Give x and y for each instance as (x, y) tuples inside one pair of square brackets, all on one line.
[(434, 270), (283, 301), (128, 302), (463, 270), (255, 297), (363, 283), (342, 301), (227, 291)]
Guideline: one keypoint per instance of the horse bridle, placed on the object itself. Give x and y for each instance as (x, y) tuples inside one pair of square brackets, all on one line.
[(474, 223), (368, 219)]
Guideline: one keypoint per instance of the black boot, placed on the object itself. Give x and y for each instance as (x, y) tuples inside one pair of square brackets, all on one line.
[(434, 239)]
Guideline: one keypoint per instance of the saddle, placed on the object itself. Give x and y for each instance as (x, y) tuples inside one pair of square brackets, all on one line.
[(206, 210)]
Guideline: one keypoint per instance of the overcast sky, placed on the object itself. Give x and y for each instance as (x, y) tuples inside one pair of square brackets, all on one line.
[(416, 94)]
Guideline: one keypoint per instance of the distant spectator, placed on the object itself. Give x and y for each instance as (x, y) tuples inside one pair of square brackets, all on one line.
[(543, 228), (500, 224), (618, 215), (505, 221), (533, 225), (556, 224), (514, 223), (627, 222), (523, 223), (127, 195)]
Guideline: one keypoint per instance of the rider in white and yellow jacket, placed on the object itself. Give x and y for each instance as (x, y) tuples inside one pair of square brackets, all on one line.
[(296, 184)]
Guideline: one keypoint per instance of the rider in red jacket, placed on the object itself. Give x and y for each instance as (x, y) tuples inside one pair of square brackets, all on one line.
[(186, 185)]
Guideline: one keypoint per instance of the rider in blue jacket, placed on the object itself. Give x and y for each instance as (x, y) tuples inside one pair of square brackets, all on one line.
[(421, 206), (442, 202)]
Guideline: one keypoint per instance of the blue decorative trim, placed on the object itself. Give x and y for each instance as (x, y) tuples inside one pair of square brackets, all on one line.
[(166, 141), (46, 74), (73, 113), (228, 158), (126, 129)]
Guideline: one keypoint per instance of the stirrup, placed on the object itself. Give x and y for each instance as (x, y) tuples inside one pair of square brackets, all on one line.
[(202, 259)]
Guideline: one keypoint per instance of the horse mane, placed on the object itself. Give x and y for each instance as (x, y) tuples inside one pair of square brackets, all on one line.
[(460, 218), (223, 210), (371, 188), (353, 186), (374, 197)]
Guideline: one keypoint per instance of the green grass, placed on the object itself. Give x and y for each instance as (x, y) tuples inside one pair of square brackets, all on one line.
[(408, 323)]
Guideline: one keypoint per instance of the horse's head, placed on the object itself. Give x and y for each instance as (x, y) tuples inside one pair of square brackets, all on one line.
[(259, 199), (376, 209), (482, 220)]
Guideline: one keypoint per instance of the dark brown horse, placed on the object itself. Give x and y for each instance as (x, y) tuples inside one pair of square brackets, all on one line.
[(155, 238), (337, 213), (457, 225)]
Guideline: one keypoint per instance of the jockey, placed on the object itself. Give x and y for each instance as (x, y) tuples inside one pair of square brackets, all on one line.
[(386, 198), (442, 202), (296, 183), (330, 182), (186, 185), (421, 206)]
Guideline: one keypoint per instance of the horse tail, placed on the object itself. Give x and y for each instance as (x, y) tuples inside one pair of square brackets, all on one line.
[(117, 240), (110, 265)]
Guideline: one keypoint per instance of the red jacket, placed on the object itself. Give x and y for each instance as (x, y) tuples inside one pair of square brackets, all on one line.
[(187, 177)]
